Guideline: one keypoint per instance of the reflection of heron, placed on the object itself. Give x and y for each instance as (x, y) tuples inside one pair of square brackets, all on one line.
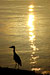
[(16, 57)]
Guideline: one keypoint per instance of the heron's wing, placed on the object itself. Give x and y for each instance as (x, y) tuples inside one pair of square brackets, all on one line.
[(17, 59)]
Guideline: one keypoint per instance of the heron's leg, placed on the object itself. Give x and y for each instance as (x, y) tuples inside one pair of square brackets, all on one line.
[(15, 65), (18, 66)]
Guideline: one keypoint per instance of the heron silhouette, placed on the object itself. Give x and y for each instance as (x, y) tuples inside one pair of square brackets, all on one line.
[(16, 57)]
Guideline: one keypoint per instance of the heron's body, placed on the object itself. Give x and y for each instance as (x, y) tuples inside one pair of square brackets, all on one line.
[(16, 57)]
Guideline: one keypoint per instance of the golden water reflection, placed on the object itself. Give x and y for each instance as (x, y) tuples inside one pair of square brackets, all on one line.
[(31, 8), (31, 27), (31, 19)]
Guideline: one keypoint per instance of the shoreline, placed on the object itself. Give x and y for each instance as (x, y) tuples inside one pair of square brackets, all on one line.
[(5, 70)]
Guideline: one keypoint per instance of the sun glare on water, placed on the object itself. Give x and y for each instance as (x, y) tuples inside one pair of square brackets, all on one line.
[(31, 19), (31, 8)]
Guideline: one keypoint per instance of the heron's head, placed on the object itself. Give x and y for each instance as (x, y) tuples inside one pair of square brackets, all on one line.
[(12, 47)]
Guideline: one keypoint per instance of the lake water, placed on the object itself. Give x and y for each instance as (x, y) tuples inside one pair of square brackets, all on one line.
[(25, 24)]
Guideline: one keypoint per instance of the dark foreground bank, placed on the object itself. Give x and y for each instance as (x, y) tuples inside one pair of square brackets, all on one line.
[(17, 72)]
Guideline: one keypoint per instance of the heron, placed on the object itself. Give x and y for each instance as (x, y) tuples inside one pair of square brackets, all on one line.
[(16, 57)]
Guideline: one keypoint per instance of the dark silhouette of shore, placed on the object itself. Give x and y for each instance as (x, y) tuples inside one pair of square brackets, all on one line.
[(17, 71), (4, 70)]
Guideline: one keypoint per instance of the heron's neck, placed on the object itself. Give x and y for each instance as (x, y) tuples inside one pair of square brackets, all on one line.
[(14, 50)]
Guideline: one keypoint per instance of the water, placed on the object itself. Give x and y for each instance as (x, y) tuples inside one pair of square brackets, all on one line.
[(25, 24)]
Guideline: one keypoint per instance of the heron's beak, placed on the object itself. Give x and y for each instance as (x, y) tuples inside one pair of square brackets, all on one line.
[(10, 47)]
